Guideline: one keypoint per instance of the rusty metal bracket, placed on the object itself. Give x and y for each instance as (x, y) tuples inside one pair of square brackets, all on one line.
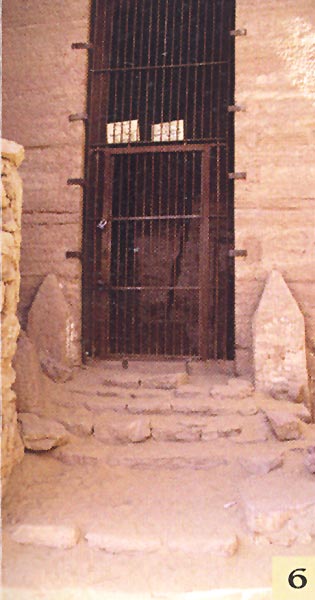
[(73, 254), (78, 117), (81, 46), (75, 181), (240, 175), (236, 108), (236, 253), (238, 32)]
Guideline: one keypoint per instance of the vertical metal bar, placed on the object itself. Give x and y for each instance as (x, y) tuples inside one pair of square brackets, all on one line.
[(216, 257), (204, 258), (147, 125), (204, 71), (105, 258), (188, 69), (212, 69), (197, 70)]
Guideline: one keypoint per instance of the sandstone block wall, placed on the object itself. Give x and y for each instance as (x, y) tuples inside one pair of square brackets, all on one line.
[(11, 200), (274, 144), (44, 81)]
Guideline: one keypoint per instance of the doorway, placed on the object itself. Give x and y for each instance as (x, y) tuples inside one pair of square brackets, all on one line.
[(158, 280)]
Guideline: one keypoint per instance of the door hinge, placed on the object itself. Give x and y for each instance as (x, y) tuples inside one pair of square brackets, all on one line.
[(238, 32), (235, 253), (78, 117), (236, 108), (76, 181), (81, 46), (74, 254), (240, 175)]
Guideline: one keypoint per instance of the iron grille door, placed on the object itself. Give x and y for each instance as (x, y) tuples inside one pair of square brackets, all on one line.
[(159, 204)]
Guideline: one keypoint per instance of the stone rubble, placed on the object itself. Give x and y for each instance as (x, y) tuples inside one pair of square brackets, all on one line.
[(39, 433)]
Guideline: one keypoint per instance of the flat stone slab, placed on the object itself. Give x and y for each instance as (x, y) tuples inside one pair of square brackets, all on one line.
[(39, 433), (82, 451), (77, 420), (262, 464), (280, 507), (254, 430), (236, 388), (224, 544), (122, 428), (284, 425), (118, 544), (191, 428), (265, 402), (54, 536)]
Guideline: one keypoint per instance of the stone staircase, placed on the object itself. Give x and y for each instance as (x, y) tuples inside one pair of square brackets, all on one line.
[(167, 468)]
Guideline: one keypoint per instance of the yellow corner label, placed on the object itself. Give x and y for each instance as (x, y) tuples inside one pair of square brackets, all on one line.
[(293, 578)]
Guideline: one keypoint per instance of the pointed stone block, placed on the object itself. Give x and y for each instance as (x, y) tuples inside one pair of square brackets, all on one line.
[(50, 328), (279, 343)]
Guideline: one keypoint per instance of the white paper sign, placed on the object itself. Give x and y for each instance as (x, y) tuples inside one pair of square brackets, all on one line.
[(123, 132), (171, 131)]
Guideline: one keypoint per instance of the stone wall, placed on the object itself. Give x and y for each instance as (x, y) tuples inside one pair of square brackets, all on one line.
[(45, 81), (275, 80), (11, 201)]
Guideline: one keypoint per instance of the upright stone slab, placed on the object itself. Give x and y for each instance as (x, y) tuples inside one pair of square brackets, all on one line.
[(279, 343), (49, 326)]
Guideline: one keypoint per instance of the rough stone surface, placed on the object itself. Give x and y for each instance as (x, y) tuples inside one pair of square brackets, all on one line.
[(54, 536), (283, 510), (285, 427), (235, 389), (11, 199), (27, 385), (262, 464), (218, 545), (39, 433), (310, 459), (122, 428), (57, 371), (117, 545), (49, 326), (279, 342)]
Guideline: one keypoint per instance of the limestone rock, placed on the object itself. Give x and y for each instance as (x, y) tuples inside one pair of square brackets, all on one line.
[(27, 384), (217, 545), (235, 389), (115, 428), (10, 331), (279, 342), (53, 536), (262, 464), (39, 433), (284, 425), (57, 371), (280, 507), (12, 151), (49, 326), (255, 429), (310, 459), (117, 544), (265, 403), (77, 420)]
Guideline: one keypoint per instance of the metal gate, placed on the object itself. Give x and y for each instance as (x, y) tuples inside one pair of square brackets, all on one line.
[(158, 224)]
